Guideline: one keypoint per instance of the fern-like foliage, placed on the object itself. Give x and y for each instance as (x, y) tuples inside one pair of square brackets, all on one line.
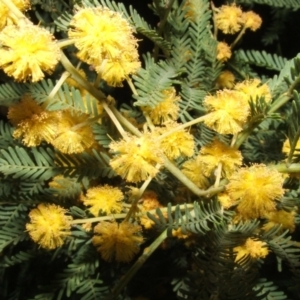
[(294, 125), (152, 80), (216, 270), (269, 288), (275, 3), (201, 219), (12, 224), (11, 93), (286, 78), (261, 59)]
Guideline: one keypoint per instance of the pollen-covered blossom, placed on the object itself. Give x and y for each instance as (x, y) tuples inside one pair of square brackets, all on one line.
[(223, 51), (255, 188), (6, 17), (194, 170), (252, 20), (225, 80), (27, 52), (225, 200), (254, 248), (229, 18), (106, 199), (253, 89), (74, 133), (136, 157), (49, 225), (280, 217), (217, 152), (33, 123), (176, 144), (105, 40), (227, 113), (117, 241), (165, 111)]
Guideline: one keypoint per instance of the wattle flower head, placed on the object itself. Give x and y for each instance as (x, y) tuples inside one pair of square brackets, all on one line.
[(49, 225), (27, 52)]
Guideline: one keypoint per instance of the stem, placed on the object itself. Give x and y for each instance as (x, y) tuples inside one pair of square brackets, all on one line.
[(137, 265), (182, 126), (137, 198), (14, 10), (92, 90), (213, 8), (283, 168), (242, 32), (218, 175), (283, 99), (65, 42), (58, 85)]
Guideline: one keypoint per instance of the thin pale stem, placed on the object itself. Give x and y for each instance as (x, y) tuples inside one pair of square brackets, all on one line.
[(137, 265), (15, 11), (213, 8), (218, 175), (93, 91), (65, 42), (242, 32), (182, 126), (137, 198), (56, 88)]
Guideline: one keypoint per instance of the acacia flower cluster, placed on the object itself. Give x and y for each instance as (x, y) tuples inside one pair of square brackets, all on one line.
[(255, 189), (136, 157), (105, 199), (105, 41), (254, 248), (117, 241), (27, 52), (231, 18), (49, 225), (70, 132), (217, 152)]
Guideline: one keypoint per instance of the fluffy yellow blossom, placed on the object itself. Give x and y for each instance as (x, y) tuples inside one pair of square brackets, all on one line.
[(194, 170), (165, 111), (32, 122), (105, 40), (218, 152), (256, 188), (280, 217), (255, 249), (106, 199), (286, 148), (116, 70), (119, 241), (252, 20), (27, 52), (74, 133), (225, 80), (253, 89), (49, 225), (6, 17), (223, 51), (136, 157), (229, 19), (179, 143), (228, 114), (178, 234)]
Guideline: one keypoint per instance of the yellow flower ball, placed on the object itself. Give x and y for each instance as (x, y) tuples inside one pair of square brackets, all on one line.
[(106, 199), (49, 225), (229, 18), (255, 189), (223, 51), (117, 241), (27, 52)]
